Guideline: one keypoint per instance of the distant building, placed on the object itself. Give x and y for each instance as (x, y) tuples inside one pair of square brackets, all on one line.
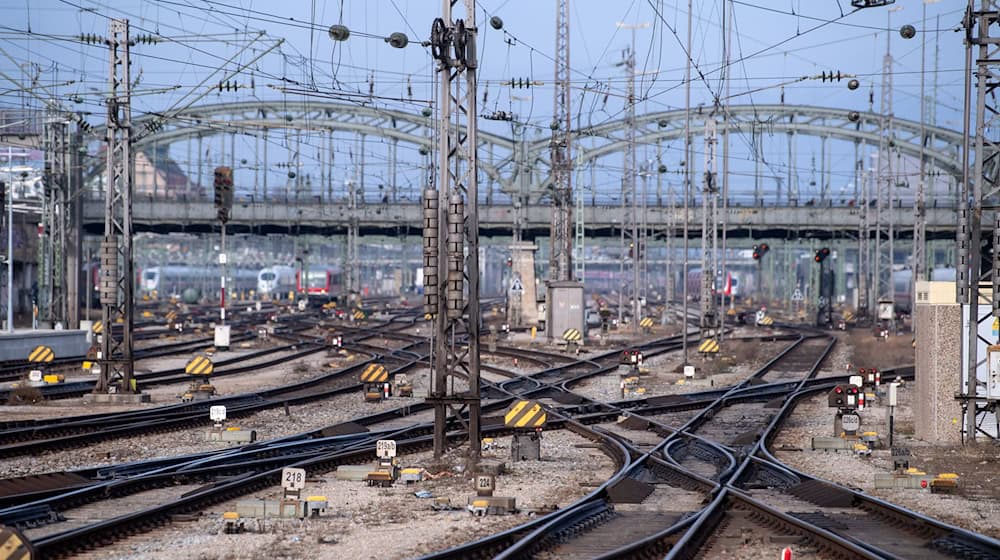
[(157, 175)]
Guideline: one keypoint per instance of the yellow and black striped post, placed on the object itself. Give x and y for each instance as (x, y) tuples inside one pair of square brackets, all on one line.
[(97, 327), (199, 365), (646, 323), (572, 337), (13, 545), (374, 373), (41, 355), (359, 315), (766, 321), (525, 414), (709, 346), (171, 317)]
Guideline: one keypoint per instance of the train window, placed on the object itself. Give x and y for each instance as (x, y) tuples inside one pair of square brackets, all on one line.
[(150, 275), (267, 276), (317, 279)]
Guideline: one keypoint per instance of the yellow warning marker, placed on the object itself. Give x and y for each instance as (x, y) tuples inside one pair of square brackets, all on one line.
[(766, 321), (359, 315), (525, 414), (731, 312), (147, 314), (534, 332), (572, 335), (87, 365), (199, 365), (97, 327), (41, 355), (13, 545), (374, 373), (709, 346), (428, 316), (171, 317), (230, 515), (646, 323), (848, 315)]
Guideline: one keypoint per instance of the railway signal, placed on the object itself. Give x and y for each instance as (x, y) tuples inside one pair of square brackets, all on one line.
[(223, 183), (824, 313), (760, 250)]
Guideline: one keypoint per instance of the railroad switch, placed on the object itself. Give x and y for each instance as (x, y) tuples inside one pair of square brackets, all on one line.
[(485, 503), (376, 382), (630, 388), (944, 483), (404, 388), (234, 523), (386, 469), (909, 479), (411, 475), (231, 434)]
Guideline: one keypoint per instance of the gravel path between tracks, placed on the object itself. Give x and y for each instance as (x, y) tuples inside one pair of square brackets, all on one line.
[(381, 523), (739, 359), (975, 507), (269, 424), (275, 376)]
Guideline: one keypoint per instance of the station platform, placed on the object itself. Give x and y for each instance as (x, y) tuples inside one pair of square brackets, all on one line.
[(64, 343)]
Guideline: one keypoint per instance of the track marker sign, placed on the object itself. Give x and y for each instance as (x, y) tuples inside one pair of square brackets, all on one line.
[(385, 448), (293, 479)]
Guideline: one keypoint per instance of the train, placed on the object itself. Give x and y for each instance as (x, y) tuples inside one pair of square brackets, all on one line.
[(192, 283), (322, 283), (736, 284), (275, 281)]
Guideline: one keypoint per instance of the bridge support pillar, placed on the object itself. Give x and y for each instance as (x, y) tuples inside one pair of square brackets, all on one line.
[(522, 309)]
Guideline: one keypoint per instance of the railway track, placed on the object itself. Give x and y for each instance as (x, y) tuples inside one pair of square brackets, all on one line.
[(678, 490)]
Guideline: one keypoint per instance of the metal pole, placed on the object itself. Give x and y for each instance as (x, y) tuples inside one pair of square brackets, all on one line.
[(10, 239), (687, 183)]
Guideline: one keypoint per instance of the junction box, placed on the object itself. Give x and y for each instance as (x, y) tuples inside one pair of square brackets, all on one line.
[(526, 446)]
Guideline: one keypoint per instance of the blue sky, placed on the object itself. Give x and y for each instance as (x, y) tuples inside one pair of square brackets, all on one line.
[(773, 43)]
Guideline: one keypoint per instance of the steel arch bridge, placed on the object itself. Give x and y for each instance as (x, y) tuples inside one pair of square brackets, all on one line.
[(504, 158)]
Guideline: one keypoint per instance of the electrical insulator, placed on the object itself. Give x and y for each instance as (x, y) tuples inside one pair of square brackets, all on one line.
[(456, 256), (431, 233)]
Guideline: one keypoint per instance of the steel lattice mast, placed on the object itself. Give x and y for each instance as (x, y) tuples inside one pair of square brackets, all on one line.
[(51, 253), (116, 248), (709, 235), (885, 181), (980, 194), (455, 232), (560, 258)]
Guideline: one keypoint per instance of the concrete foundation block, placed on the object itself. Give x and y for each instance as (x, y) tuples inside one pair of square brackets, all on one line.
[(116, 398), (355, 473), (893, 481), (491, 505), (938, 416), (231, 436), (834, 443), (64, 343)]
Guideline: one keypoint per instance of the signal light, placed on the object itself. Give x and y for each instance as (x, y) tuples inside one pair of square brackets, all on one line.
[(760, 250), (839, 389), (821, 254)]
